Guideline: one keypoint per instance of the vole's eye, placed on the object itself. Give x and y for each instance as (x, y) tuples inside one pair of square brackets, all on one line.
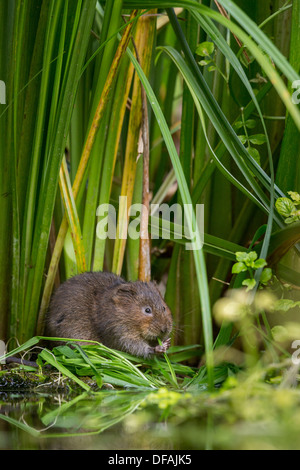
[(164, 308), (148, 310)]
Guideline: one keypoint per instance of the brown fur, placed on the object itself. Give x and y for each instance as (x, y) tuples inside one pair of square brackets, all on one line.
[(101, 306)]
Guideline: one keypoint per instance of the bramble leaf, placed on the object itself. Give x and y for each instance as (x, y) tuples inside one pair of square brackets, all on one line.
[(295, 197), (285, 206)]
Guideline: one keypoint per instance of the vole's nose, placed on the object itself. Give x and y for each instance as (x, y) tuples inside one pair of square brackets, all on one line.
[(164, 330)]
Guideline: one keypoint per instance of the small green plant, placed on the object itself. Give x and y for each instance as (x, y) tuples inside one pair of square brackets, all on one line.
[(246, 139), (288, 207), (249, 262), (207, 49)]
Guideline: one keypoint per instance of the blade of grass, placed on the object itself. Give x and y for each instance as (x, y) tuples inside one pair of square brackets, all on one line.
[(240, 162), (191, 220), (172, 372), (196, 93), (288, 171), (49, 358), (71, 211)]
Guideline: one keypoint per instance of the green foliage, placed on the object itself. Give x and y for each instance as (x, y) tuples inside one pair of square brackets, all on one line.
[(206, 49), (122, 370), (287, 207), (283, 305), (213, 135), (249, 262)]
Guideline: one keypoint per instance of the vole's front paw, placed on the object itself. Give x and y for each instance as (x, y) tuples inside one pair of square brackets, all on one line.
[(162, 348)]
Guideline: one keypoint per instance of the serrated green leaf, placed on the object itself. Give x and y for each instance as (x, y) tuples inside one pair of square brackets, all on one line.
[(285, 206), (294, 196)]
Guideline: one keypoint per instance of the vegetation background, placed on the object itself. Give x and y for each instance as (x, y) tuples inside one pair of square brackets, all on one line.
[(213, 123)]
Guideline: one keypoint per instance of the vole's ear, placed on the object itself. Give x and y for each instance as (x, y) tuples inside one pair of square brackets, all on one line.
[(124, 292), (154, 285)]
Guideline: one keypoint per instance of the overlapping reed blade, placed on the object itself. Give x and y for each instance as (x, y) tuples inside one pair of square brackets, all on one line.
[(76, 53), (182, 293), (35, 38), (143, 39), (5, 150), (288, 173), (83, 164), (111, 23), (119, 105), (72, 216), (190, 219)]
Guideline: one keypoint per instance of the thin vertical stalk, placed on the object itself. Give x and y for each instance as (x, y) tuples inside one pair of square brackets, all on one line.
[(191, 222), (144, 253)]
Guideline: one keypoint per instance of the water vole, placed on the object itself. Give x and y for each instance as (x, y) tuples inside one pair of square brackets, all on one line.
[(101, 306)]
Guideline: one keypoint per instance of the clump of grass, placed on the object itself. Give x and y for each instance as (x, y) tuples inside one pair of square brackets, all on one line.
[(77, 359)]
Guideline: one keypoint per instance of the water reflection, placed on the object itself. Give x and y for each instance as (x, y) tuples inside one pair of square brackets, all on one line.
[(237, 418), (30, 420)]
